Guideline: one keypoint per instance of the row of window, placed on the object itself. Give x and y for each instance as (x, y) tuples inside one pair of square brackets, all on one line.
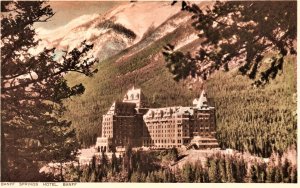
[(163, 126), (107, 132), (162, 146), (107, 119), (161, 141), (162, 131), (132, 96), (108, 127), (166, 135)]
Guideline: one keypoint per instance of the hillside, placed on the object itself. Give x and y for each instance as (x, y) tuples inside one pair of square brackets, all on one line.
[(258, 120)]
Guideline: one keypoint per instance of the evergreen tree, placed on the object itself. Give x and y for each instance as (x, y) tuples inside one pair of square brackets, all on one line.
[(238, 31), (143, 177), (85, 175), (152, 177), (205, 176), (222, 167), (228, 163), (241, 171), (114, 163), (135, 177), (148, 179), (103, 173), (93, 177), (188, 173), (127, 161), (294, 175), (270, 174), (278, 175), (285, 171), (32, 90), (104, 160), (198, 172), (262, 173), (213, 171), (253, 174)]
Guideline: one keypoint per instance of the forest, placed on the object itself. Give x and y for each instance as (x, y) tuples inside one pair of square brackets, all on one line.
[(257, 120), (155, 166)]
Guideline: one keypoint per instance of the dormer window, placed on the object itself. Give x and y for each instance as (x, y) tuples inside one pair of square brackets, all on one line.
[(152, 114), (161, 113), (137, 96)]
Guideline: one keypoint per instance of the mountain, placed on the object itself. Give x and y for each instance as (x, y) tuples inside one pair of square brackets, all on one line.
[(258, 120), (113, 31)]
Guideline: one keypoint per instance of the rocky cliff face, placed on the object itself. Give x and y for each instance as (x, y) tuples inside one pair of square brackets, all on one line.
[(127, 25)]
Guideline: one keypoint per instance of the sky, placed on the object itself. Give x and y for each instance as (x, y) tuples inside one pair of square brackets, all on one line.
[(65, 11)]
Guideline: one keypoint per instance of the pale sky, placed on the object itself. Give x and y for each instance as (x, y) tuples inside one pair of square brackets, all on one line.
[(65, 11)]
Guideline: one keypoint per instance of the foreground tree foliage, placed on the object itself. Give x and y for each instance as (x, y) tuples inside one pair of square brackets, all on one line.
[(238, 33), (32, 90)]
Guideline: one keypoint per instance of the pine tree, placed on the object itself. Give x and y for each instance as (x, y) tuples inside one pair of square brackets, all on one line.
[(85, 175), (114, 163), (222, 167), (228, 163), (294, 175), (261, 172), (255, 32), (93, 177), (103, 160), (253, 174), (148, 179), (278, 175), (284, 171), (188, 173), (135, 177), (198, 172), (270, 174), (32, 90), (213, 171)]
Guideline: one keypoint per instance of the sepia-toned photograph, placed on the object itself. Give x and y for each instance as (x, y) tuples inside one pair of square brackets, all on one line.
[(149, 91)]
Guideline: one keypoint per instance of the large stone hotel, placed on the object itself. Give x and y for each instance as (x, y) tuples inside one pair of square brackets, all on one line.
[(130, 123)]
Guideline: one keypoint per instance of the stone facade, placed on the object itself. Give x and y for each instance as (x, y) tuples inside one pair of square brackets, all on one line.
[(130, 123)]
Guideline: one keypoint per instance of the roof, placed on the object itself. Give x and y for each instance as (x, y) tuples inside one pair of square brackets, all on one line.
[(184, 110), (202, 103), (169, 111), (122, 108)]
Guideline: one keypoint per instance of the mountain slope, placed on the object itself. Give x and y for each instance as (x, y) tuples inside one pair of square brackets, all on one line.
[(112, 32)]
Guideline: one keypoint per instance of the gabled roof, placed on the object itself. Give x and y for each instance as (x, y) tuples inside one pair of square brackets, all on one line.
[(122, 108), (202, 102)]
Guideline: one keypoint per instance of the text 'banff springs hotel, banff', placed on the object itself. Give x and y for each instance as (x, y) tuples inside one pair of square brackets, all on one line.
[(130, 123)]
